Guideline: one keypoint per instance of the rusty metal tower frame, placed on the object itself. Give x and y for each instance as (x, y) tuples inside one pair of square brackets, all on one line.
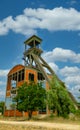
[(32, 56)]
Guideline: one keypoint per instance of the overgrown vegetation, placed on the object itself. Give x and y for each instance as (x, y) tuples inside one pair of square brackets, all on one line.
[(77, 113), (1, 107), (79, 96), (58, 98)]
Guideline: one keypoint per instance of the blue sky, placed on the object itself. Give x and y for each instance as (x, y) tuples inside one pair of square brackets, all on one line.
[(57, 22)]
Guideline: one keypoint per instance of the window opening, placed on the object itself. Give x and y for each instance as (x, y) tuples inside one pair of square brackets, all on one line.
[(40, 76), (31, 77), (21, 75)]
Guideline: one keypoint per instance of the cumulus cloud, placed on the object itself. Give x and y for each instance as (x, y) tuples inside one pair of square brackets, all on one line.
[(2, 94), (70, 71), (60, 54), (71, 76), (75, 91), (32, 19), (3, 73), (76, 88), (74, 80), (2, 83)]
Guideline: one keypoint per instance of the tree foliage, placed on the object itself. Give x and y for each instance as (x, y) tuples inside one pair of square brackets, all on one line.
[(79, 96), (2, 107), (58, 98), (30, 97)]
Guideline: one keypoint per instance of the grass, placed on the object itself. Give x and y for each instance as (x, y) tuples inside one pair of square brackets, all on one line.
[(21, 127), (51, 119)]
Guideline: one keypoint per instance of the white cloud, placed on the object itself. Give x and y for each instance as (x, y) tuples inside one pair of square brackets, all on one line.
[(71, 75), (64, 55), (70, 71), (5, 25), (75, 91), (2, 83), (76, 88), (54, 67), (74, 80), (33, 19), (3, 73), (2, 94)]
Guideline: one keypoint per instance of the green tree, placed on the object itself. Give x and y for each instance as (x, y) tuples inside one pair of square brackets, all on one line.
[(58, 98), (79, 96), (30, 97), (2, 107)]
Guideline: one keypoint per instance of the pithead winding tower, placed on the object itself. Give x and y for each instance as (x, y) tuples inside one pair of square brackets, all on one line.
[(32, 56), (34, 69)]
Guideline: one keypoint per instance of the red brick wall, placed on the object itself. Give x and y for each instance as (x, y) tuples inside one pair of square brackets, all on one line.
[(32, 72), (12, 113), (17, 113), (15, 69)]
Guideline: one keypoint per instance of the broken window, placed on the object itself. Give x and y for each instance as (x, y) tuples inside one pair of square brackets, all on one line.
[(21, 75), (40, 76), (31, 77)]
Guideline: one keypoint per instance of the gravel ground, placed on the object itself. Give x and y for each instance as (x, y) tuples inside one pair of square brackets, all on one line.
[(35, 125)]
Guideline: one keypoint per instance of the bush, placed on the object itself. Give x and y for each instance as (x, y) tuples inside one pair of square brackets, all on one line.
[(77, 113)]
